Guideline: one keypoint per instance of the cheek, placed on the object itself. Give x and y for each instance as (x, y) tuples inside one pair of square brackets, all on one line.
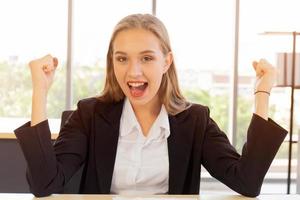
[(118, 74), (118, 71), (155, 77)]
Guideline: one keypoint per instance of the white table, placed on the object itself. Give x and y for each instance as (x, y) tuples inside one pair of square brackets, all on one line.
[(22, 196)]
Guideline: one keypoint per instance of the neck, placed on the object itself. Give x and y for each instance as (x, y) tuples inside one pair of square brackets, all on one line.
[(152, 108), (146, 114)]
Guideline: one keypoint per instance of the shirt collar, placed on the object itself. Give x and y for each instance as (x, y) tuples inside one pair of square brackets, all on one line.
[(129, 120), (162, 121)]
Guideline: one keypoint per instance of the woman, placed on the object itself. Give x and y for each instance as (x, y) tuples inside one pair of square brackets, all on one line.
[(141, 136)]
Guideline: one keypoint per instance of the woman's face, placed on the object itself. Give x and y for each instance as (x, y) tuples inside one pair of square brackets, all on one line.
[(139, 65)]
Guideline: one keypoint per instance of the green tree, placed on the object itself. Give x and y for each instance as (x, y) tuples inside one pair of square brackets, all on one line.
[(15, 95), (87, 81), (218, 105)]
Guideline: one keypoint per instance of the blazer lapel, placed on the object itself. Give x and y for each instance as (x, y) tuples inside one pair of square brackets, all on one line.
[(179, 146), (107, 123)]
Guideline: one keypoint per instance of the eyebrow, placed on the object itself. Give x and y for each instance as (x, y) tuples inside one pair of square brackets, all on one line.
[(142, 52)]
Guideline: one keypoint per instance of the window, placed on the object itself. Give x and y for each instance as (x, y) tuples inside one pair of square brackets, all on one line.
[(203, 50), (30, 29), (257, 17)]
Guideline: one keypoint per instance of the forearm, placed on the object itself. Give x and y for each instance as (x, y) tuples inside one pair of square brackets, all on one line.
[(39, 103), (44, 175), (245, 173), (42, 73), (262, 105)]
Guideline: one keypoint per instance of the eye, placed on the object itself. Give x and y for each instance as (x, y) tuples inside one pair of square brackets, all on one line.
[(147, 58), (121, 59)]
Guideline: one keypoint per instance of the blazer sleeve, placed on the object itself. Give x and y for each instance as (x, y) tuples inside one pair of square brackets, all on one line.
[(50, 166), (242, 173)]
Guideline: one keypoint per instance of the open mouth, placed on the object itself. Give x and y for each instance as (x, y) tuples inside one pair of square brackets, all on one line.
[(137, 88)]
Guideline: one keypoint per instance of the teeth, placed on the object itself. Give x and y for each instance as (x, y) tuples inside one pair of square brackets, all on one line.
[(135, 84)]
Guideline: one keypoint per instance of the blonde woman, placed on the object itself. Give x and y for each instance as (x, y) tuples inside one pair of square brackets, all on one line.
[(141, 136)]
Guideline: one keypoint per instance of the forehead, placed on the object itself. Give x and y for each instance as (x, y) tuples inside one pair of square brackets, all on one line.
[(136, 40)]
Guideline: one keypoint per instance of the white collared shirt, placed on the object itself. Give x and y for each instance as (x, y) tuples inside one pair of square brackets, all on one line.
[(142, 163)]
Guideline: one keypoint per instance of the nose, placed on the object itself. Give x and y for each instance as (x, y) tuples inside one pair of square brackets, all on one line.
[(135, 69)]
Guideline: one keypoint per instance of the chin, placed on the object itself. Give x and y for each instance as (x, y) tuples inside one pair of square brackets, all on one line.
[(139, 102)]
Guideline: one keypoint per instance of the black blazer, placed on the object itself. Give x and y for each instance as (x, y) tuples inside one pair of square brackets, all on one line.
[(90, 137)]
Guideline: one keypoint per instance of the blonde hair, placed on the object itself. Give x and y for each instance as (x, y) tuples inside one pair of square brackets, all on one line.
[(169, 92)]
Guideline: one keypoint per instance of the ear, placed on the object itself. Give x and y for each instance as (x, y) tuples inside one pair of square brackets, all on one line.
[(168, 61)]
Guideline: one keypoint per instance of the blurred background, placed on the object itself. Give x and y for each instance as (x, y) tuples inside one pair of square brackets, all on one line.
[(214, 43)]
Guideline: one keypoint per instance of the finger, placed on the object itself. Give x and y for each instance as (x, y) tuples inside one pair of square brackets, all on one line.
[(259, 70), (55, 62), (50, 63), (265, 64), (256, 67), (46, 68)]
